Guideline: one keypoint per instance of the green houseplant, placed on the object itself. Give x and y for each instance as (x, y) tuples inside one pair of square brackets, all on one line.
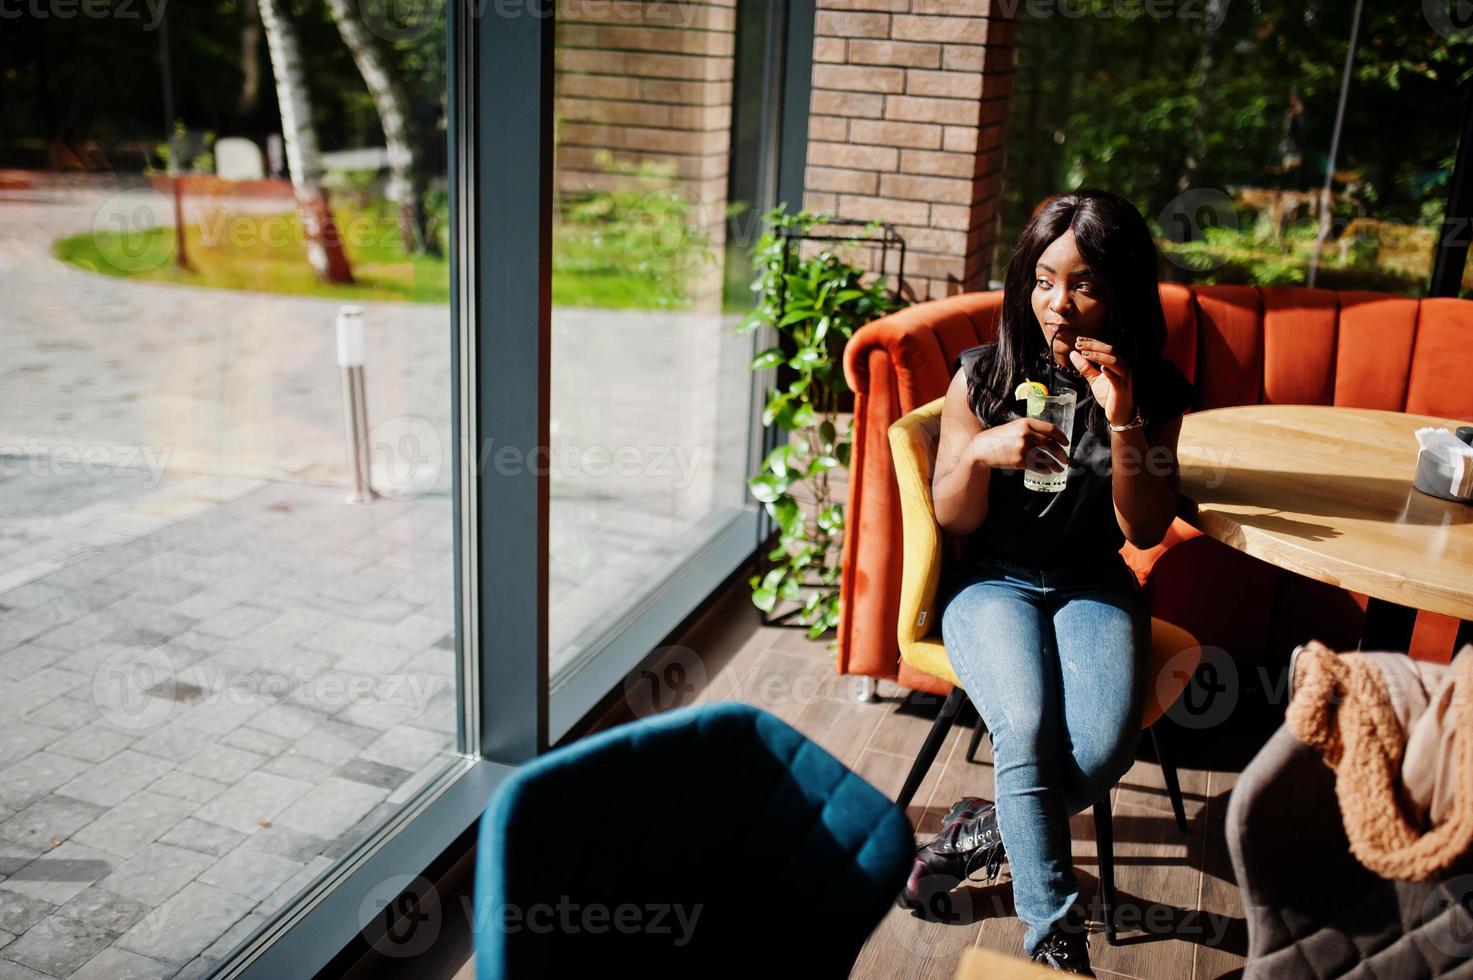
[(814, 305)]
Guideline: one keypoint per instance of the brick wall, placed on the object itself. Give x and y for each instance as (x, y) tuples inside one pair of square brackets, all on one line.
[(648, 82), (908, 108)]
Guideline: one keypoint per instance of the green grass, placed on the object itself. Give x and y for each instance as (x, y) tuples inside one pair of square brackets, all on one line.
[(593, 269), (265, 253)]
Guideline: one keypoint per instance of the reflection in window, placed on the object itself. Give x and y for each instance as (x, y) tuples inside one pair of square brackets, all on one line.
[(220, 675), (650, 403)]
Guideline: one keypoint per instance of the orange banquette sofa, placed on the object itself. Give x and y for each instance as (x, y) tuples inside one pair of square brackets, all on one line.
[(1239, 345)]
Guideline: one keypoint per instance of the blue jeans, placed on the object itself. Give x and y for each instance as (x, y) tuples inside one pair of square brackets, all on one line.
[(1055, 664)]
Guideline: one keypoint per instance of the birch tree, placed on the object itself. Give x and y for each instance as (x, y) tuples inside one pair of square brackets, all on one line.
[(406, 178), (303, 156)]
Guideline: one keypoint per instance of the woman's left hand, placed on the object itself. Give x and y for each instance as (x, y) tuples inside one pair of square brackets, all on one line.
[(1108, 376)]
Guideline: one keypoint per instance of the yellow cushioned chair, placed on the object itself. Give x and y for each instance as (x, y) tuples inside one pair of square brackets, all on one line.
[(1173, 659)]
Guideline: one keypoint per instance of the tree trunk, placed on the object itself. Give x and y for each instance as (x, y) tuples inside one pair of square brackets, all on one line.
[(303, 158), (406, 179), (250, 58)]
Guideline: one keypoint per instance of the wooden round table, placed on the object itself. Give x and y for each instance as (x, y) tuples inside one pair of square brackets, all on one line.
[(1327, 492)]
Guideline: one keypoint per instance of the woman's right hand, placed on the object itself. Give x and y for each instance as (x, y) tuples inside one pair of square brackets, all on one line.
[(1022, 443)]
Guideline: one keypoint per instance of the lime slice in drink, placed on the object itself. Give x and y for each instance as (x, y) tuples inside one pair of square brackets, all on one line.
[(1027, 389), (1035, 392)]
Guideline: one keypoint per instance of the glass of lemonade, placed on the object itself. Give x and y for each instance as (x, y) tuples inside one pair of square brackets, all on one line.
[(1058, 409)]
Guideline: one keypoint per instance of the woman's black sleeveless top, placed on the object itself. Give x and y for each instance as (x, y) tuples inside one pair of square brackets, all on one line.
[(1075, 527)]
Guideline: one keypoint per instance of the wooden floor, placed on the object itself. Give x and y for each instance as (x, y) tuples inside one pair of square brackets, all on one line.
[(1179, 910)]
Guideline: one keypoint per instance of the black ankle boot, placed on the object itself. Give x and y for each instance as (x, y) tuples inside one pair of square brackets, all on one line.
[(969, 839), (1066, 947)]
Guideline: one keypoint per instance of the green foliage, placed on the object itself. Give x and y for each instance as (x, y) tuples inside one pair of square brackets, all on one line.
[(201, 152), (358, 187), (1262, 254), (636, 246), (1151, 100), (814, 306)]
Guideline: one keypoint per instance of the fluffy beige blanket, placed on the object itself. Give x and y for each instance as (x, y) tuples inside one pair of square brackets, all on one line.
[(1399, 734)]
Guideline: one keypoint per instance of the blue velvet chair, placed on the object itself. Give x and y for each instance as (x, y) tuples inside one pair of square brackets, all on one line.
[(708, 840)]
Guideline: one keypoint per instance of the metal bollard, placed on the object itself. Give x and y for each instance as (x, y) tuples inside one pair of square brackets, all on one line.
[(355, 402)]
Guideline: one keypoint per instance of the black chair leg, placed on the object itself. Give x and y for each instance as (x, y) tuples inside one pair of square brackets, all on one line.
[(1173, 786), (1105, 845), (932, 746), (977, 732)]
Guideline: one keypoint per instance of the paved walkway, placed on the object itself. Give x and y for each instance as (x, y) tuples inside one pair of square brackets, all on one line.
[(218, 675)]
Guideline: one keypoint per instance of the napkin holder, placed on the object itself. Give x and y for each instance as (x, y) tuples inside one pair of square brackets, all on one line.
[(1445, 464)]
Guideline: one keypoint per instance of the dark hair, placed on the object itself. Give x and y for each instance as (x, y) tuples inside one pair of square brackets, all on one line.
[(1113, 238)]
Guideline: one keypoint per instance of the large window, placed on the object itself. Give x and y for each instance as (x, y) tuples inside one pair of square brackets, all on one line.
[(221, 675), (286, 281), (651, 393), (1221, 121)]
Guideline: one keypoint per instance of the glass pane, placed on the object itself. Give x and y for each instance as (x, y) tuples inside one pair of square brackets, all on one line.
[(651, 393), (220, 674), (1217, 120)]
